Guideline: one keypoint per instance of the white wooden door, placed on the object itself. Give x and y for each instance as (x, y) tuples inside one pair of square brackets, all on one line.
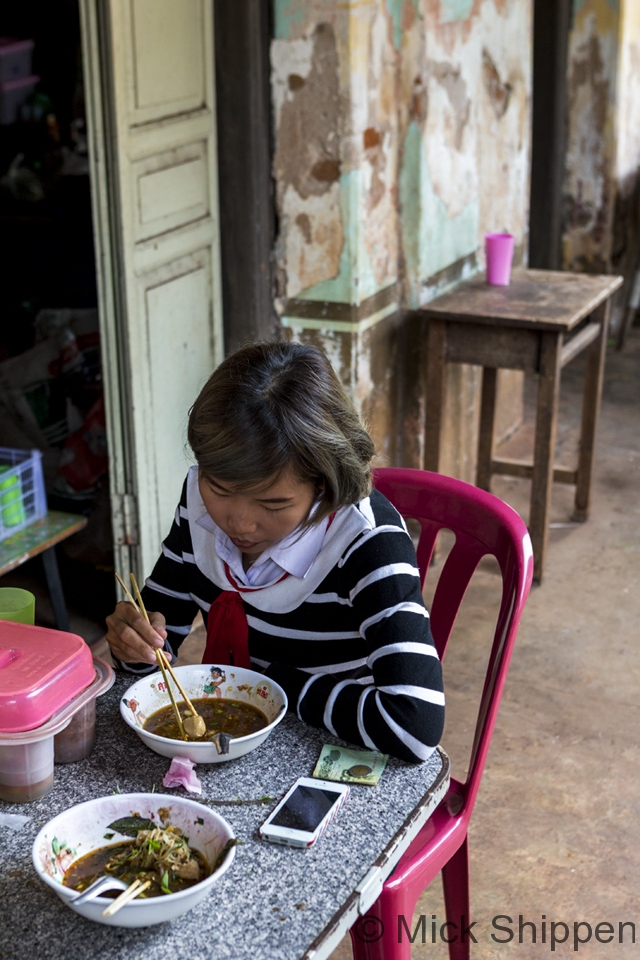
[(151, 113)]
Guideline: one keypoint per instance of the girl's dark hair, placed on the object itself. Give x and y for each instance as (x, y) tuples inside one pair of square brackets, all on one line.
[(270, 406)]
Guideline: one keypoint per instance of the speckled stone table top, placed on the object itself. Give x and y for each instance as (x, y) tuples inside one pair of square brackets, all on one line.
[(275, 902)]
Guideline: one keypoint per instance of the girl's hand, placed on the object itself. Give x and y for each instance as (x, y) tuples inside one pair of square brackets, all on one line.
[(131, 638)]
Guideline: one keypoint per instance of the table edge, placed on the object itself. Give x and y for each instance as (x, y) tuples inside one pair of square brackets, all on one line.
[(80, 524), (342, 921), (430, 311)]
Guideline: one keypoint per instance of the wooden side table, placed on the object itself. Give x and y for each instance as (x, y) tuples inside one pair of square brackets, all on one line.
[(41, 537), (540, 322)]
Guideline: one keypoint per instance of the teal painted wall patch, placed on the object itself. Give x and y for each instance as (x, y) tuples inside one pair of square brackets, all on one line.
[(452, 10)]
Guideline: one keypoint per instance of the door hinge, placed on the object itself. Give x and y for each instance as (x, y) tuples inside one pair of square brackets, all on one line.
[(124, 520)]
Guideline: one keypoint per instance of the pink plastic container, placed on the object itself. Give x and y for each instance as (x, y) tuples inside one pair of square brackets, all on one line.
[(498, 249), (41, 670), (27, 758)]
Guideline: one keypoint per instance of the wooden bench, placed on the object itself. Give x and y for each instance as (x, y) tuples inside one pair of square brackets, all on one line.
[(41, 537), (539, 323)]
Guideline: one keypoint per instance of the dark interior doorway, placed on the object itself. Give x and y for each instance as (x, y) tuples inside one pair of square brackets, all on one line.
[(50, 370)]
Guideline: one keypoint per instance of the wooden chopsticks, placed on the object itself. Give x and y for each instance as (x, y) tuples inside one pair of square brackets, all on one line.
[(133, 890), (196, 722), (163, 663)]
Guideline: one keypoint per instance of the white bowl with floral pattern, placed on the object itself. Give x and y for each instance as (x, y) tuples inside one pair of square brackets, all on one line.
[(149, 694), (81, 830)]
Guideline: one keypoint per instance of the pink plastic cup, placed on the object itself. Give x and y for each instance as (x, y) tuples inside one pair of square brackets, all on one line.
[(498, 249)]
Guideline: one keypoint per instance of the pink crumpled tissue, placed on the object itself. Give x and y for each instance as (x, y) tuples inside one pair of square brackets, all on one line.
[(181, 774)]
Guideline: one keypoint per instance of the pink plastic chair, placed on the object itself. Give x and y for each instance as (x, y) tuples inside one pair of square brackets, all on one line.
[(482, 525)]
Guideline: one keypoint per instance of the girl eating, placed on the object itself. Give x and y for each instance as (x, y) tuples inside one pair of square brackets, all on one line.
[(300, 569)]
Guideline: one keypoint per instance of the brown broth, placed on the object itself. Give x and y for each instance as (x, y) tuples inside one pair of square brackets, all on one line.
[(234, 717), (93, 865)]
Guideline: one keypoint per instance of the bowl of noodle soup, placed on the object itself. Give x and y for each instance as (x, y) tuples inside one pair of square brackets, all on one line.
[(84, 830), (215, 691)]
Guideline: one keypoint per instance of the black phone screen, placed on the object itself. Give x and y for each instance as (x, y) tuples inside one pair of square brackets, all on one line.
[(305, 808)]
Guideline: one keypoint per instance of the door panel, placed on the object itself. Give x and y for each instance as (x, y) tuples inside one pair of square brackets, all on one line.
[(166, 47), (178, 330), (150, 95), (170, 189)]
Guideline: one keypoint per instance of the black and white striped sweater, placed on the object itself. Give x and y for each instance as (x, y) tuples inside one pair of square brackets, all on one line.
[(350, 642)]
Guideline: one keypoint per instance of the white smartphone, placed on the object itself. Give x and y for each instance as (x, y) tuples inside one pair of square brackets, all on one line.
[(304, 812)]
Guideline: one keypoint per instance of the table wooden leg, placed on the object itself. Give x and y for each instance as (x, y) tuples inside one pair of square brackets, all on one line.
[(486, 429), (544, 448), (436, 392), (54, 584), (590, 409)]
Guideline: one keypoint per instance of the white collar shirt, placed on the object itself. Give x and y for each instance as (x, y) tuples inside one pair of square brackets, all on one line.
[(292, 555)]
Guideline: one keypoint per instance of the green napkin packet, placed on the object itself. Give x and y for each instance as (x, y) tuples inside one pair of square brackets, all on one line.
[(350, 765)]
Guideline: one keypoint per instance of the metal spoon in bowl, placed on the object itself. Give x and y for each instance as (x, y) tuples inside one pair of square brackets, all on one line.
[(221, 742), (98, 887), (129, 892)]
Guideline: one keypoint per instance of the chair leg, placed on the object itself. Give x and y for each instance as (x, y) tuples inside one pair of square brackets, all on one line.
[(386, 932), (361, 949), (455, 885)]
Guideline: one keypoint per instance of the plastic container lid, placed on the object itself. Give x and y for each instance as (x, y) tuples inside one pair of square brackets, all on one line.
[(41, 670), (103, 680)]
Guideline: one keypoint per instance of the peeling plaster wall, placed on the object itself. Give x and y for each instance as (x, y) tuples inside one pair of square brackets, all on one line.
[(601, 231), (465, 118), (628, 152), (335, 157), (626, 217), (589, 192), (401, 137)]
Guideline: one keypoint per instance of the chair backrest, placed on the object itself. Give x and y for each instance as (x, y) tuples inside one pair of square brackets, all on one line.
[(482, 526)]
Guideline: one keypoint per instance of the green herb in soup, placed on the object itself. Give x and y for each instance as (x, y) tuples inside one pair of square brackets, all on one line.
[(220, 715), (161, 855)]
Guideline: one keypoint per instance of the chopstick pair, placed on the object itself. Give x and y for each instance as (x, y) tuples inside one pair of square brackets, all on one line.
[(133, 890), (196, 722)]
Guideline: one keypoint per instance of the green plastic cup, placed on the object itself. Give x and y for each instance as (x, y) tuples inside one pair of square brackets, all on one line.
[(17, 605)]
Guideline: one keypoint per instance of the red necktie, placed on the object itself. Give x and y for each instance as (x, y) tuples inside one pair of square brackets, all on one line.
[(227, 628)]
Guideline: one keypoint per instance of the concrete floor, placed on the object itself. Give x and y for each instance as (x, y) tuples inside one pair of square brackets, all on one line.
[(555, 834)]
